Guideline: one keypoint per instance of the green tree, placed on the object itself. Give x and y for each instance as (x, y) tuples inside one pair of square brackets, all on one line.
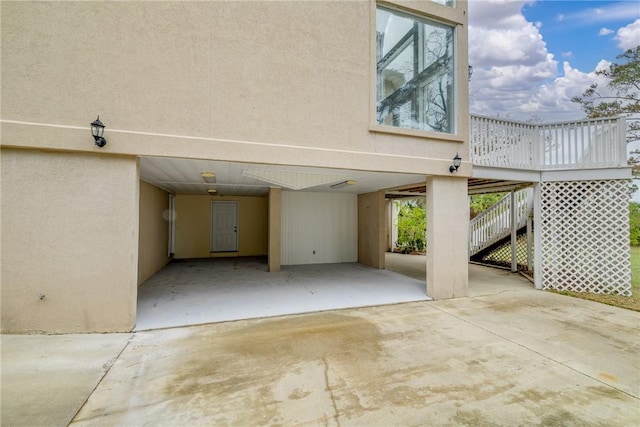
[(634, 223), (624, 99), (412, 224), (481, 202)]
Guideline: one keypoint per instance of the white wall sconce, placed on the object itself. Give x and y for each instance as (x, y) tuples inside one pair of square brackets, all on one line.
[(97, 130), (457, 160)]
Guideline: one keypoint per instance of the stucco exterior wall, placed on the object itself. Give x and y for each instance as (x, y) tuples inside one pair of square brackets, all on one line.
[(275, 229), (193, 225), (447, 238), (282, 83), (69, 233), (153, 251), (287, 82)]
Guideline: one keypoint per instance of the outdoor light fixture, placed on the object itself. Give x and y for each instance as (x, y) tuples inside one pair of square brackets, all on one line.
[(343, 184), (209, 177), (97, 129), (212, 191), (456, 163)]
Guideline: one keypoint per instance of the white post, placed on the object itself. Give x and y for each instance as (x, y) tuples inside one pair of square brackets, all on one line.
[(540, 141), (537, 239), (394, 224), (622, 132), (529, 243), (514, 230)]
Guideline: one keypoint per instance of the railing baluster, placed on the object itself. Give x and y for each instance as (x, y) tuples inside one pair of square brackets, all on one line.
[(568, 145)]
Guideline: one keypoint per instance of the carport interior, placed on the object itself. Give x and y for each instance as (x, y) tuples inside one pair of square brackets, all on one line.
[(197, 291), (321, 253)]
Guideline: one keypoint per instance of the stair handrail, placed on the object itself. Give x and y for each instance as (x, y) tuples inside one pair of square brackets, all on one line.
[(494, 224)]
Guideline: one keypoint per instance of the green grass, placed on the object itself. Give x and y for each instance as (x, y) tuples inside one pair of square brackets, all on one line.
[(630, 303), (635, 271)]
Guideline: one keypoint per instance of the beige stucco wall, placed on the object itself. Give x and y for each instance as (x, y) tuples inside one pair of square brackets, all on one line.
[(153, 252), (193, 225), (371, 229), (447, 237), (288, 82), (70, 233), (275, 228)]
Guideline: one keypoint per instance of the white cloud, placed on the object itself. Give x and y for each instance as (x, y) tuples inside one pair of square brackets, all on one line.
[(605, 31), (614, 12), (514, 73), (501, 36), (555, 98), (629, 37), (568, 54)]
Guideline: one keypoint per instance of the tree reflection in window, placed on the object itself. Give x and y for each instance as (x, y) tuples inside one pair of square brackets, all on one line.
[(414, 72)]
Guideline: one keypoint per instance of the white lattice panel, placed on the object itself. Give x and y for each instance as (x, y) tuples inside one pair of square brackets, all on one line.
[(584, 231)]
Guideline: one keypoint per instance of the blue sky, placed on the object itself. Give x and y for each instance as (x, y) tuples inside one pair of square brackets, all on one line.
[(531, 57), (582, 31)]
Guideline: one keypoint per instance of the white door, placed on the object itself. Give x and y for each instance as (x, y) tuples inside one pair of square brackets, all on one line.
[(224, 226)]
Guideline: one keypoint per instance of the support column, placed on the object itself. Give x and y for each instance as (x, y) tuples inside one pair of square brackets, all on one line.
[(537, 237), (394, 224), (514, 232), (447, 237), (371, 229), (530, 243), (275, 228)]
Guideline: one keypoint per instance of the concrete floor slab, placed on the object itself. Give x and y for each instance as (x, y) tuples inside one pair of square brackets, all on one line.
[(508, 359), (45, 380), (510, 355), (482, 280), (579, 334), (215, 290), (194, 292)]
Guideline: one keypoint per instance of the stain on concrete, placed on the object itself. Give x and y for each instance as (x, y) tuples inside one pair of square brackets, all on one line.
[(608, 377), (298, 394), (242, 366), (471, 418), (376, 366)]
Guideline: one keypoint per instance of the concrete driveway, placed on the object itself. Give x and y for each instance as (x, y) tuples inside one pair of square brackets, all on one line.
[(521, 357)]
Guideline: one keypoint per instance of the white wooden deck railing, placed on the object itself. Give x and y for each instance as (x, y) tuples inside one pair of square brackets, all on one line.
[(494, 224), (584, 144)]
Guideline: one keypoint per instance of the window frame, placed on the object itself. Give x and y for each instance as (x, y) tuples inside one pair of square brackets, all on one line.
[(454, 17)]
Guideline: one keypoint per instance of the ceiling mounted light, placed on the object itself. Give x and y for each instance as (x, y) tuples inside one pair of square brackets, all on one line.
[(209, 177), (212, 191), (457, 160), (343, 184), (97, 130)]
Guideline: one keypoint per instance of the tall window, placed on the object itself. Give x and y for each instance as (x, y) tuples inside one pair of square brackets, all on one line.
[(415, 72)]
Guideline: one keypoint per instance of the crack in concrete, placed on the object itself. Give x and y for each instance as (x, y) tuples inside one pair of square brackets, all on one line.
[(106, 368), (328, 388)]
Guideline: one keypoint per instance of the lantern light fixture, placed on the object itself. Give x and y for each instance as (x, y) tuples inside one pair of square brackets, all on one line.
[(457, 160), (97, 130)]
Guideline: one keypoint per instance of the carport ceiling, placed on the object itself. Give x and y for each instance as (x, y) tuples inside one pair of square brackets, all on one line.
[(183, 176)]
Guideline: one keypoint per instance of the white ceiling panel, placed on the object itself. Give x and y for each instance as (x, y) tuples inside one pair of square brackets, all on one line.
[(183, 176)]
